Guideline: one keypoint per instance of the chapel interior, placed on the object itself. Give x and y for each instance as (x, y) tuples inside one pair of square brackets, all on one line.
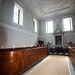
[(37, 31)]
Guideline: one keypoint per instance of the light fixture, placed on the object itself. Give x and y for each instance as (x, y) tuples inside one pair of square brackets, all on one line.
[(2, 46), (24, 45), (13, 46)]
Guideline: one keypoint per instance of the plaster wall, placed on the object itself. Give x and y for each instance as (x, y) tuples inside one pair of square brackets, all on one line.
[(12, 34)]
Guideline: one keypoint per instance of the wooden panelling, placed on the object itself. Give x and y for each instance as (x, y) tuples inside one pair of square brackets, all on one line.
[(17, 61), (9, 63), (72, 55)]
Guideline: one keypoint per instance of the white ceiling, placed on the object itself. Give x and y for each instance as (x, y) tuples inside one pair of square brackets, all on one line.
[(47, 8)]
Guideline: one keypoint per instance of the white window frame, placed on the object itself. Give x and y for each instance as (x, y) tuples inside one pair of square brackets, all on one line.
[(49, 27), (18, 14), (68, 22), (34, 25)]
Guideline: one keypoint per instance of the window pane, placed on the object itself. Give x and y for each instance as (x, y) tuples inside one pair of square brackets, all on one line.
[(18, 14), (21, 17), (16, 18), (46, 27), (16, 10), (67, 24), (71, 26), (35, 25), (49, 27)]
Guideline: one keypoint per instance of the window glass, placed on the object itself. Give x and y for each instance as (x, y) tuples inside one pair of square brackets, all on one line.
[(34, 25), (67, 24), (18, 14), (49, 27)]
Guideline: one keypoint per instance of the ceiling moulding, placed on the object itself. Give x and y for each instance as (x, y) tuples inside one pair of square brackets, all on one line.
[(47, 1), (63, 2), (46, 8), (30, 10), (58, 15), (20, 2), (57, 10), (24, 5), (32, 4)]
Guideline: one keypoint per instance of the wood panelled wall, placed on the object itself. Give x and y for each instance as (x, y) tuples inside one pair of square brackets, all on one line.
[(72, 55), (17, 61)]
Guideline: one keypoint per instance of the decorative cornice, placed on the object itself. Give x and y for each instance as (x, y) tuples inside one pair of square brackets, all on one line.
[(16, 29)]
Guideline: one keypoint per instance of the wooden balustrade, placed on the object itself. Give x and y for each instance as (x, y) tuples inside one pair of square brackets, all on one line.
[(16, 61), (72, 55)]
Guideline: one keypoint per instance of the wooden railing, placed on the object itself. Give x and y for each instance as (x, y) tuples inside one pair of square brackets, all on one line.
[(16, 61)]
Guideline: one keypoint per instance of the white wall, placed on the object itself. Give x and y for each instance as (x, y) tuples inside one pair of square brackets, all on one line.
[(0, 9), (48, 37), (12, 34)]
